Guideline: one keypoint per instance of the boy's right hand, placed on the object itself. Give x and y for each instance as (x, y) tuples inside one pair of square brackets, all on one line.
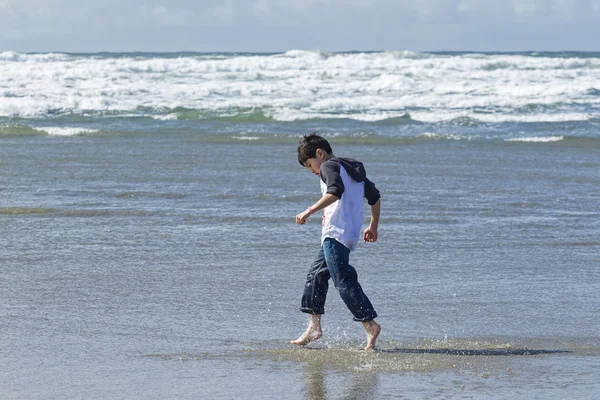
[(303, 216)]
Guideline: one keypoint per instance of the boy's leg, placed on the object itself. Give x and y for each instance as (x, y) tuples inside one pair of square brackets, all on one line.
[(345, 280), (312, 333), (373, 330), (313, 299), (317, 284)]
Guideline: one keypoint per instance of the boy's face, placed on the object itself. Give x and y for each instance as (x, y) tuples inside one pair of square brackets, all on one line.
[(314, 164)]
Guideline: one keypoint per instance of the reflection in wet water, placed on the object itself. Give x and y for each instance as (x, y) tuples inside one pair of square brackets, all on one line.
[(427, 368), (355, 386), (424, 356), (315, 382)]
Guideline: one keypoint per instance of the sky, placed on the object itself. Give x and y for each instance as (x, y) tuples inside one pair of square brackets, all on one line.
[(280, 25)]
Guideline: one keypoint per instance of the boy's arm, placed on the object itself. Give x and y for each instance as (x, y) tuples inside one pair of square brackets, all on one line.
[(323, 202), (370, 234), (374, 199)]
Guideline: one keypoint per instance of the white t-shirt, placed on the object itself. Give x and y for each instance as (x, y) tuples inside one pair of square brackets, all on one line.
[(342, 220)]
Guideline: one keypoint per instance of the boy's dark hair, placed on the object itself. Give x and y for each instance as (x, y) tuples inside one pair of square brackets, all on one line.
[(308, 147)]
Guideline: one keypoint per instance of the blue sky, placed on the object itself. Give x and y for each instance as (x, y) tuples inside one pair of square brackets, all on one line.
[(279, 25)]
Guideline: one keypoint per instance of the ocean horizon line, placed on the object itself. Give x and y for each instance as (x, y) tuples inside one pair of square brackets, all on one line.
[(531, 52)]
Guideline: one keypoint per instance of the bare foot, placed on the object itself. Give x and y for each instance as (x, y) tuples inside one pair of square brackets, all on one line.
[(310, 335), (373, 329)]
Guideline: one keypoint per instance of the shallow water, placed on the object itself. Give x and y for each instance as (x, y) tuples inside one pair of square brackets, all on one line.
[(150, 251), (167, 266)]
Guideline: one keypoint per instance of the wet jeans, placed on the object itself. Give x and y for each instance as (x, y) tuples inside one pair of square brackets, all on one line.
[(333, 262)]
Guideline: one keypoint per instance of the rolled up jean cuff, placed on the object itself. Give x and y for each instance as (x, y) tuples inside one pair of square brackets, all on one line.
[(366, 319), (311, 311)]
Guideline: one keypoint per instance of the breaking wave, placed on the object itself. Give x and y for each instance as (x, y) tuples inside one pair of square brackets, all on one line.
[(298, 85)]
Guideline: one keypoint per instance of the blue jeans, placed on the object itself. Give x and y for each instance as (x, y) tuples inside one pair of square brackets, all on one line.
[(333, 262)]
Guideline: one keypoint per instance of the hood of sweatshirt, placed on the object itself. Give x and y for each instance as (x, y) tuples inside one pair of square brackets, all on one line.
[(353, 167)]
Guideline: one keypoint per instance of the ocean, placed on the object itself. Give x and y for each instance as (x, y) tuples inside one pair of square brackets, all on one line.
[(149, 249)]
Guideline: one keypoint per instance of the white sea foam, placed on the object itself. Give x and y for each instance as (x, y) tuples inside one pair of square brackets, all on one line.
[(439, 136), (168, 117), (534, 139), (246, 137), (65, 131), (37, 57), (300, 84)]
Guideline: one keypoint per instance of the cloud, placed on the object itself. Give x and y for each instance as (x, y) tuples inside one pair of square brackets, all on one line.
[(225, 12), (50, 14), (166, 16), (272, 12), (282, 24), (190, 14), (524, 7)]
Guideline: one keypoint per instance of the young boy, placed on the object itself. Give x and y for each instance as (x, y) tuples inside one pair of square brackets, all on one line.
[(344, 184)]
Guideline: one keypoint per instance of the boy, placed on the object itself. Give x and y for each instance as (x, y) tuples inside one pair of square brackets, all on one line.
[(344, 184)]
